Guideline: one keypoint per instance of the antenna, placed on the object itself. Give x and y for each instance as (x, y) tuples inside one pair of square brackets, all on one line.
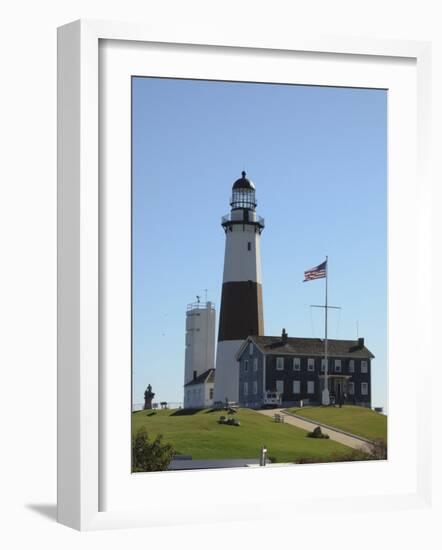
[(198, 299)]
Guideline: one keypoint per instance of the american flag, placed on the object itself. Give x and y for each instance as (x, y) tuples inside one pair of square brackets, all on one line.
[(318, 272)]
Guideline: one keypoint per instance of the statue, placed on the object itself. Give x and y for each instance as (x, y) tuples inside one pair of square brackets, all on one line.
[(148, 396)]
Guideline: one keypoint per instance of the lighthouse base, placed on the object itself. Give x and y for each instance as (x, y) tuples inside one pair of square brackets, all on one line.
[(227, 371)]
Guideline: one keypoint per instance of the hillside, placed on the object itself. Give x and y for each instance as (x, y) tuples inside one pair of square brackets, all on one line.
[(356, 420), (198, 434)]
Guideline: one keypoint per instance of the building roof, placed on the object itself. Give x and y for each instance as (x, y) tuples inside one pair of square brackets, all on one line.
[(243, 182), (276, 345), (205, 377)]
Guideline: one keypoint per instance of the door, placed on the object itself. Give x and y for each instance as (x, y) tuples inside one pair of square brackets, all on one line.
[(338, 386)]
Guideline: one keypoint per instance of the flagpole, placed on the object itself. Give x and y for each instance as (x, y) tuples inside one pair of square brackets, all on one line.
[(325, 391)]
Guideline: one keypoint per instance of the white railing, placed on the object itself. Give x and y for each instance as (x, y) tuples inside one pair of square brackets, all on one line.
[(157, 406)]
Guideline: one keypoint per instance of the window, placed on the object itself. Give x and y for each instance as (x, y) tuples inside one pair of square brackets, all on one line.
[(364, 388), (351, 388), (364, 366), (296, 363), (246, 365), (249, 246), (311, 364), (246, 388), (296, 386), (351, 365), (322, 365), (251, 348), (338, 366), (255, 364), (280, 363), (280, 386), (255, 388), (310, 386)]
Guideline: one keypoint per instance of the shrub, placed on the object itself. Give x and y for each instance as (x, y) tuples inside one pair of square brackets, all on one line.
[(229, 421), (317, 433), (377, 451), (150, 456)]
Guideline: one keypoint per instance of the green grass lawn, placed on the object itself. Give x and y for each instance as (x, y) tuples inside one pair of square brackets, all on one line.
[(199, 435), (357, 420)]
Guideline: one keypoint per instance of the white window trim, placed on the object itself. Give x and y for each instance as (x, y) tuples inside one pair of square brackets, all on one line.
[(351, 388), (364, 385), (255, 387), (310, 384), (297, 364), (351, 365), (298, 385), (250, 348), (364, 367), (246, 388), (246, 365), (338, 365), (310, 364), (255, 364), (282, 383), (279, 360)]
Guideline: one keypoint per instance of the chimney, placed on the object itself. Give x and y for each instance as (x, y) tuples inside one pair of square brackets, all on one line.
[(284, 336), (194, 374), (360, 343)]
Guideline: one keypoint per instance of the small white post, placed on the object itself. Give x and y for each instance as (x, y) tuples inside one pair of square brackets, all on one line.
[(263, 457)]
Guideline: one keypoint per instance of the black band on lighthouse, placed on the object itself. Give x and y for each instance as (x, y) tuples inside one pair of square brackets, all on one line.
[(241, 311)]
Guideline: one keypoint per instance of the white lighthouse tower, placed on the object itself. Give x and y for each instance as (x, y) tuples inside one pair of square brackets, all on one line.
[(241, 311), (200, 339), (199, 371)]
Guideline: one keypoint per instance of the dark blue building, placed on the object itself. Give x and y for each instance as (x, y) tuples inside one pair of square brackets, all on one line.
[(295, 367)]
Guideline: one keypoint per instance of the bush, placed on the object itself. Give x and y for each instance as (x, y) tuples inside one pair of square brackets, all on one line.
[(317, 434), (229, 421), (377, 451), (150, 456)]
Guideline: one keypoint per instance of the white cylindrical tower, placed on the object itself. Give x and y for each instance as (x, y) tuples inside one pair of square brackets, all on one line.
[(241, 311), (200, 340)]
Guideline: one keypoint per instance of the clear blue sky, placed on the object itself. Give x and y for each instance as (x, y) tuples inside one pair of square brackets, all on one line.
[(318, 158)]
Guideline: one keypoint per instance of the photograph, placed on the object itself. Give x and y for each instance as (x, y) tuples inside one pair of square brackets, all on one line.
[(259, 274)]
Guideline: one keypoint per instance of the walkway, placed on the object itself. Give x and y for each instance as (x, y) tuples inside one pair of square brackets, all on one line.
[(345, 439)]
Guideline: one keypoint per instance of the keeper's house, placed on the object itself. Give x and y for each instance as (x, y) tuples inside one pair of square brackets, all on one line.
[(295, 367), (198, 393)]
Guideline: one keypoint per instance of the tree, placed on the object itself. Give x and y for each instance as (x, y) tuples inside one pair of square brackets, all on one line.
[(150, 456)]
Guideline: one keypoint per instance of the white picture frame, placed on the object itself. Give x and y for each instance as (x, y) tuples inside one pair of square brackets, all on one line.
[(80, 274)]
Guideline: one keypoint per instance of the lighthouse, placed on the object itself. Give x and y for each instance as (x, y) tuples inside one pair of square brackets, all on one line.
[(241, 311)]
